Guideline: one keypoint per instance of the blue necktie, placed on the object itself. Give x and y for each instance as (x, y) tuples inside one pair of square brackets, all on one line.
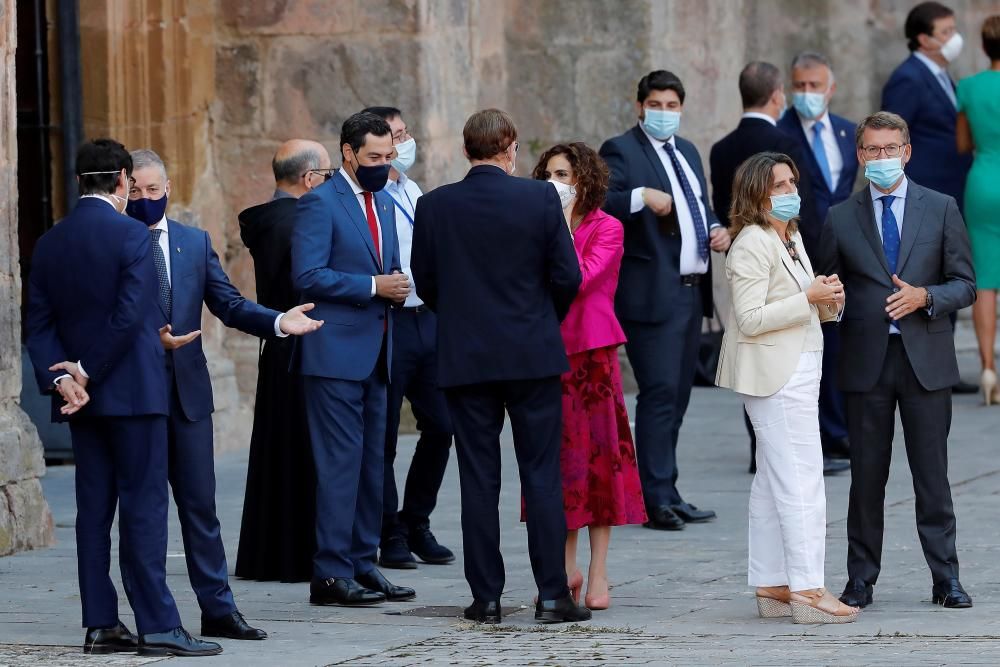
[(699, 223), (819, 151), (948, 85), (161, 272), (890, 237)]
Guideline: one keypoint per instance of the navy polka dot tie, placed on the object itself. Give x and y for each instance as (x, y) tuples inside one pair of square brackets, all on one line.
[(161, 272), (699, 223)]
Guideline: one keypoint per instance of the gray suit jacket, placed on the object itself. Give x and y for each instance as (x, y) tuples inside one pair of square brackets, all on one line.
[(934, 253)]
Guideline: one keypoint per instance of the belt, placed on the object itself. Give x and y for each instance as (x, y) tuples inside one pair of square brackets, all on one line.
[(691, 279), (416, 309)]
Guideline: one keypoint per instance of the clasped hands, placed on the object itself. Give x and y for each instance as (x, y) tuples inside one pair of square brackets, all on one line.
[(826, 290), (394, 287)]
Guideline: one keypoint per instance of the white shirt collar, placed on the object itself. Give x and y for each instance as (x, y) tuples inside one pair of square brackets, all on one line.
[(931, 65), (899, 192), (401, 180), (807, 123), (354, 185), (760, 116), (162, 225), (658, 142), (100, 196)]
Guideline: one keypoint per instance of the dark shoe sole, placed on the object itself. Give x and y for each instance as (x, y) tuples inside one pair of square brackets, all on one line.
[(943, 601), (398, 565), (158, 651), (104, 649), (401, 599), (707, 519), (436, 561), (860, 604), (548, 617), (228, 636), (331, 603), (657, 526)]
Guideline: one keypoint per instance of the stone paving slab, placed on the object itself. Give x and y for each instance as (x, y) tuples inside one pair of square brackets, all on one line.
[(678, 598)]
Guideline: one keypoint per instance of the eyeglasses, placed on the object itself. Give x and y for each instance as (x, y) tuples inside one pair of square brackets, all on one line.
[(891, 150), (403, 135), (327, 174)]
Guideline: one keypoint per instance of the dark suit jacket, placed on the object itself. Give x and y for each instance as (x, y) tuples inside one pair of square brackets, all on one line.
[(196, 277), (843, 131), (333, 261), (914, 93), (92, 298), (266, 230), (493, 258), (933, 253), (752, 136), (650, 272)]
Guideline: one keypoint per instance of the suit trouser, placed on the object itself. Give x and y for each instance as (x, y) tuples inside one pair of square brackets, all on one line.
[(122, 462), (347, 433), (414, 375), (192, 478), (871, 422), (477, 413), (787, 498), (664, 358)]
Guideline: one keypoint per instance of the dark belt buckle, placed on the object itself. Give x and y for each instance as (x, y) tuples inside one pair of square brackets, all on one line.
[(691, 280)]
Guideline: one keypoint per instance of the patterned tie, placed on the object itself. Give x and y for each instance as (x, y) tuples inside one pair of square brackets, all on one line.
[(890, 236), (161, 272), (819, 151), (699, 223), (373, 225)]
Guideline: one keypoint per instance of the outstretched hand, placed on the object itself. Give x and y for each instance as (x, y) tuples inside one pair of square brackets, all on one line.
[(295, 322), (171, 342)]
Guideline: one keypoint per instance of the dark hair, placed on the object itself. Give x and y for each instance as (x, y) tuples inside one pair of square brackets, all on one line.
[(920, 21), (590, 170), (101, 155), (385, 113), (991, 37), (360, 125), (752, 185), (290, 169), (488, 133), (758, 81), (660, 79)]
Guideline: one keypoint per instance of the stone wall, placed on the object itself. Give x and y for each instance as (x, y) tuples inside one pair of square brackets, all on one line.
[(25, 520)]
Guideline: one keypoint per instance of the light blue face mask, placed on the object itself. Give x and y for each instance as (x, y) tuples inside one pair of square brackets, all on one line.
[(884, 173), (809, 105), (661, 124), (785, 207), (406, 155)]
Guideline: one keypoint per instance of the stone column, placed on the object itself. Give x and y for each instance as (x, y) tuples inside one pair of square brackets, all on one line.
[(25, 520)]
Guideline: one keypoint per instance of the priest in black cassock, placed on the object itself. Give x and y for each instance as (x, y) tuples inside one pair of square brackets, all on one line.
[(278, 536)]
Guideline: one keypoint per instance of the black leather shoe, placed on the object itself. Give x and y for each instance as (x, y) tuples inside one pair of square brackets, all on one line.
[(231, 626), (857, 594), (663, 518), (344, 592), (951, 595), (965, 388), (483, 612), (395, 554), (375, 581), (691, 514), (562, 610), (835, 466), (116, 639), (176, 642), (423, 543)]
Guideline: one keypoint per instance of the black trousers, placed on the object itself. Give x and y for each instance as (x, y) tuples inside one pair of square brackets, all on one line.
[(477, 414), (414, 375), (871, 421)]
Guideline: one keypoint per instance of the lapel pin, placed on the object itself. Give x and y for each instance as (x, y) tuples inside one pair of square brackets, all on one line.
[(178, 249), (843, 134)]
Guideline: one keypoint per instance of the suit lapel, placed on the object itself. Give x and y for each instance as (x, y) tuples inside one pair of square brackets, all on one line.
[(845, 142), (816, 175), (349, 200), (177, 258), (866, 221), (654, 159), (935, 85), (786, 259), (386, 213), (913, 215)]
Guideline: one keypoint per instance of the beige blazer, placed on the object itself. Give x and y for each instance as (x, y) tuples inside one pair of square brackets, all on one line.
[(769, 316)]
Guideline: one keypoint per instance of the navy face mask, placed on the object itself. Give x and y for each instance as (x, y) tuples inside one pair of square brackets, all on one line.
[(148, 211), (371, 179)]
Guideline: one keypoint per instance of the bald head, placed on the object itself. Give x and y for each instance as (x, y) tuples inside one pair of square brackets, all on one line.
[(294, 164)]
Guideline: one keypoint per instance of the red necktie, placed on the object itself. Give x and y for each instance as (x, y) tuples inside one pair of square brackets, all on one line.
[(373, 225)]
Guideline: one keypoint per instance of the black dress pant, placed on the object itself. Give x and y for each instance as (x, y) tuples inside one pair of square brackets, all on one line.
[(477, 414), (871, 421)]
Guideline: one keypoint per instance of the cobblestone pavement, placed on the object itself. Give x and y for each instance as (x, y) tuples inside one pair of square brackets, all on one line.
[(678, 598)]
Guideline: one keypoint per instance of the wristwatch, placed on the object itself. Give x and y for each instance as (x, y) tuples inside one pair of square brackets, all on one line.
[(929, 301)]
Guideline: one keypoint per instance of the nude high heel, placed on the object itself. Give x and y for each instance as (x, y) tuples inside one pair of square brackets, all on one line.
[(772, 602), (598, 602), (818, 606), (988, 382), (575, 584)]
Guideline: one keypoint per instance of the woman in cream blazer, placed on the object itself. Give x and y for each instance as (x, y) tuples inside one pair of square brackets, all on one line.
[(772, 355)]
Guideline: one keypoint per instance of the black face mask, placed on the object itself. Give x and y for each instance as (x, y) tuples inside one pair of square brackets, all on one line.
[(372, 179)]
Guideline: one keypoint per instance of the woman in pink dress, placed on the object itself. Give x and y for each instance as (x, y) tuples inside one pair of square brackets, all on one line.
[(599, 474)]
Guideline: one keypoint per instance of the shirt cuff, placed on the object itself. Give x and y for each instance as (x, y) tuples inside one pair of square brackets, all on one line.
[(277, 327), (79, 365), (636, 203), (61, 378), (373, 287)]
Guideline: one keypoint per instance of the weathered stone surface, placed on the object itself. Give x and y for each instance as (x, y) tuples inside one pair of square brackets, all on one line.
[(237, 78), (25, 520), (290, 17)]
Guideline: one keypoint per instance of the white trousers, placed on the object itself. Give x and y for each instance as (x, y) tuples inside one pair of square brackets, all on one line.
[(787, 498)]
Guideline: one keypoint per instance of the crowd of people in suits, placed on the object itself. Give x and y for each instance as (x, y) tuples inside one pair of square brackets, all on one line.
[(371, 292)]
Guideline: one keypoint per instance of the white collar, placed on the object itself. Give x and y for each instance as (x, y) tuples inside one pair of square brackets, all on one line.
[(931, 65), (658, 142), (759, 116), (899, 192), (103, 197), (807, 123), (354, 185)]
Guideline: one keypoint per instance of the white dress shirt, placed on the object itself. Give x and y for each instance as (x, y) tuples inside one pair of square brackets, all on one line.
[(940, 75), (359, 192), (898, 208), (405, 193), (833, 157), (690, 261)]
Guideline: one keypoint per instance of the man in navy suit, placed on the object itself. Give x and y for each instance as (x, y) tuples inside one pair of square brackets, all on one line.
[(830, 165), (492, 256), (188, 275), (92, 336), (658, 191), (922, 92), (345, 257)]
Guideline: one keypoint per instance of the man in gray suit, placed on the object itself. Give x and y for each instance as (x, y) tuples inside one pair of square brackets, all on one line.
[(902, 253)]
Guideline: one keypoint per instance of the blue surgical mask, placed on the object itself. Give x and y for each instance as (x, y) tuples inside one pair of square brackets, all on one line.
[(884, 173), (785, 207), (406, 155), (148, 211), (661, 124), (809, 105)]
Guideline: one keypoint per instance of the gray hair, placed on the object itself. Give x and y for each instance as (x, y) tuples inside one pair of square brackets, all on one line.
[(144, 157), (882, 120), (807, 59)]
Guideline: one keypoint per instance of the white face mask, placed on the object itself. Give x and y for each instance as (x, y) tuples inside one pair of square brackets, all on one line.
[(567, 193), (406, 155), (953, 47)]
